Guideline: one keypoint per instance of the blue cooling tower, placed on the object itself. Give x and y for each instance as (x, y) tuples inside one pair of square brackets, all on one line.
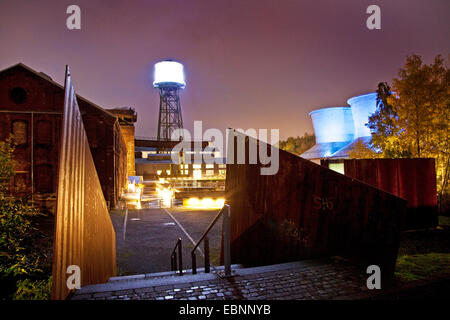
[(362, 107), (333, 124)]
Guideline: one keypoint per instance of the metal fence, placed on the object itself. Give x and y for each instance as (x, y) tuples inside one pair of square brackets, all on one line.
[(84, 234)]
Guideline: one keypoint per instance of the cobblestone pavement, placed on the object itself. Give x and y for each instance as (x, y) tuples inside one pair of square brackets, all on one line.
[(300, 280)]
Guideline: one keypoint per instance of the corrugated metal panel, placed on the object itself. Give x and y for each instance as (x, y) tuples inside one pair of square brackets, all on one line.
[(308, 211), (84, 234)]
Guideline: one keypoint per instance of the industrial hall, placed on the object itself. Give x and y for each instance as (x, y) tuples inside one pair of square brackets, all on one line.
[(31, 108)]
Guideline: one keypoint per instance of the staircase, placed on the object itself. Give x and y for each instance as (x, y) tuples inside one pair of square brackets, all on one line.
[(309, 279), (145, 282)]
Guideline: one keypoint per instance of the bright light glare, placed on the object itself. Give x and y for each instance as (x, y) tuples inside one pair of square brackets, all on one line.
[(168, 72), (131, 187), (220, 202), (193, 202), (166, 195), (205, 203)]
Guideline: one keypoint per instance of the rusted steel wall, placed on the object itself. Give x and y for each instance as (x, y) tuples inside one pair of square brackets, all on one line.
[(308, 211), (84, 234), (410, 179)]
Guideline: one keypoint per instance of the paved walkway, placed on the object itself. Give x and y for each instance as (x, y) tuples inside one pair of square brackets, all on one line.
[(312, 279), (147, 243)]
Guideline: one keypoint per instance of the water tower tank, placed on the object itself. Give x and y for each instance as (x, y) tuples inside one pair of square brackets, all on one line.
[(169, 73), (333, 124), (362, 107)]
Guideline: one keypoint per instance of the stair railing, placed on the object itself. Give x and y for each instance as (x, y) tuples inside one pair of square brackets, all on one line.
[(226, 213), (174, 260)]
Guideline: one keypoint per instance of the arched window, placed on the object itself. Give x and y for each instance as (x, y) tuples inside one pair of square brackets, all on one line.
[(19, 129)]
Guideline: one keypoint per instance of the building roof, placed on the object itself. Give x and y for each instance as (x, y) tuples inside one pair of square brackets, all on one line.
[(149, 161), (323, 150), (148, 149), (344, 152), (49, 79)]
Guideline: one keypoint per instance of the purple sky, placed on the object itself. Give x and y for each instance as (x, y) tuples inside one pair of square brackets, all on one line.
[(249, 63)]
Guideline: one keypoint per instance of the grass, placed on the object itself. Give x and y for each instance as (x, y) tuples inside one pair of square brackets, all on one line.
[(423, 266)]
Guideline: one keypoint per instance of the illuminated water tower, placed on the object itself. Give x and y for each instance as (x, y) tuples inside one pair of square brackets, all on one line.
[(169, 79)]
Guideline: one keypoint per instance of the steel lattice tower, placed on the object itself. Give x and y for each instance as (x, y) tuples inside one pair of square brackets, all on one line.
[(169, 112), (169, 79)]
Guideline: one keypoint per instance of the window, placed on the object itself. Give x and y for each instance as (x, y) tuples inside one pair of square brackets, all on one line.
[(197, 174), (18, 95), (337, 166), (44, 132), (19, 129)]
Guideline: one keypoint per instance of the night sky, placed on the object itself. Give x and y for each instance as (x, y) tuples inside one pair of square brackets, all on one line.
[(249, 63)]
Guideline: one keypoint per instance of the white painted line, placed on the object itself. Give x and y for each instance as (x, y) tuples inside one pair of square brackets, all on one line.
[(185, 232)]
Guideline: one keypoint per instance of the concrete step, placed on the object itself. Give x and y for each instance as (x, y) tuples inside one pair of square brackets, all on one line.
[(308, 279), (169, 274), (156, 279)]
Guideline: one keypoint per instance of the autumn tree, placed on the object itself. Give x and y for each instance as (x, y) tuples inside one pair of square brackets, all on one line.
[(298, 145), (413, 119)]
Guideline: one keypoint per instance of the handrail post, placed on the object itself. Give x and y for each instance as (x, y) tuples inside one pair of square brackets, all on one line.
[(194, 263), (175, 263), (226, 241), (181, 256), (172, 265), (206, 243)]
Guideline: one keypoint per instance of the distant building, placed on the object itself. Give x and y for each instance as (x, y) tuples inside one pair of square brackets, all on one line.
[(338, 129), (31, 106), (127, 117), (153, 164)]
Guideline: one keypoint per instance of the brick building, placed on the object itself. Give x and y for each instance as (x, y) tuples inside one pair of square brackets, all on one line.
[(127, 117), (31, 105)]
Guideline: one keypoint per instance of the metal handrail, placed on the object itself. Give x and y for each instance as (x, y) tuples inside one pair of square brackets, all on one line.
[(226, 242), (173, 257)]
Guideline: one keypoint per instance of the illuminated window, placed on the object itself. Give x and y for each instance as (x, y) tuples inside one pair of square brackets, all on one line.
[(209, 166), (197, 166), (158, 172), (338, 167), (168, 172), (209, 172), (197, 174)]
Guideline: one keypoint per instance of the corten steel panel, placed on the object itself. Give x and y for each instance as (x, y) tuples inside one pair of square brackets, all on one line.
[(410, 179), (84, 235), (308, 211)]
